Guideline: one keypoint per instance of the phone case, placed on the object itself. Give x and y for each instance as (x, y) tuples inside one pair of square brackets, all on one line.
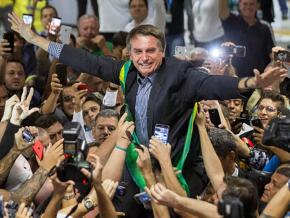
[(214, 117), (38, 149)]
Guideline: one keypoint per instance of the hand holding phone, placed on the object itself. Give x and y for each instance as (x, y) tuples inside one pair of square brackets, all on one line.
[(161, 132), (38, 149), (9, 36), (61, 73), (142, 198), (214, 117), (282, 55), (257, 123), (54, 25), (27, 18)]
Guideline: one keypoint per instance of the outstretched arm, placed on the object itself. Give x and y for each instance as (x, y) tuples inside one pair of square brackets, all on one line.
[(224, 11)]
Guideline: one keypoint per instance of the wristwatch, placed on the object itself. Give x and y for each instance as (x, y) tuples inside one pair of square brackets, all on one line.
[(89, 203)]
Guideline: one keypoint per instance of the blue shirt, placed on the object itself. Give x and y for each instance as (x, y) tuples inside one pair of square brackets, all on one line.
[(142, 98)]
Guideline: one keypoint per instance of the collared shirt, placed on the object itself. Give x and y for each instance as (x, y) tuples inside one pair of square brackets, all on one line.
[(142, 98)]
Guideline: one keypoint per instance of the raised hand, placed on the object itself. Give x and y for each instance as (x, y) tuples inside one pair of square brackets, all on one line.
[(144, 161), (20, 143), (200, 118), (60, 187), (56, 86), (9, 104), (123, 129), (21, 109), (159, 150), (52, 155), (20, 27), (162, 195), (5, 50), (269, 76), (97, 167), (110, 187), (23, 212)]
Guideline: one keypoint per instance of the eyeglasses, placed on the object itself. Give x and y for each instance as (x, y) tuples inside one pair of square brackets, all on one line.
[(268, 108), (68, 98)]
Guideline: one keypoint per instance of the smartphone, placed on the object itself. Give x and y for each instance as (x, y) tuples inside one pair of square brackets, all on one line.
[(27, 136), (27, 18), (283, 56), (54, 25), (214, 116), (65, 32), (82, 86), (61, 73), (9, 36), (161, 132), (180, 51), (38, 149), (121, 190), (142, 198), (257, 123)]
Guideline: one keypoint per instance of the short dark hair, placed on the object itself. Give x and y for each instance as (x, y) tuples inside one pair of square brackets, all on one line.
[(92, 97), (274, 96), (245, 191), (47, 120), (222, 141), (15, 60), (146, 30), (48, 7), (145, 1), (119, 39), (284, 170), (108, 113)]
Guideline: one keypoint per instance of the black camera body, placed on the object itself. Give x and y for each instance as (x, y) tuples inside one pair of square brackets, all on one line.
[(231, 207), (236, 51), (277, 133), (75, 150)]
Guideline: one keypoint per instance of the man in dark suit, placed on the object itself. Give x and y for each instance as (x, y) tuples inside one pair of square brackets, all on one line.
[(158, 90)]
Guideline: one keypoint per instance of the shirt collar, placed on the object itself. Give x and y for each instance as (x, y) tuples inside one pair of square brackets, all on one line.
[(142, 81)]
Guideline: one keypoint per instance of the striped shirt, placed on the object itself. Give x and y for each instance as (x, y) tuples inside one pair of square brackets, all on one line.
[(55, 49)]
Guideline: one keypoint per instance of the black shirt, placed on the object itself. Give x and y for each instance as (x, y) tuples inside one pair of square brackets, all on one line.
[(177, 24), (257, 39)]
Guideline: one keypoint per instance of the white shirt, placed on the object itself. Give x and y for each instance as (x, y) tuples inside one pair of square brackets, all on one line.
[(133, 24), (113, 15), (19, 173), (156, 10), (207, 25)]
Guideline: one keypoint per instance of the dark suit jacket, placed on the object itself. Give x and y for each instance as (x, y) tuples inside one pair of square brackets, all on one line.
[(176, 87)]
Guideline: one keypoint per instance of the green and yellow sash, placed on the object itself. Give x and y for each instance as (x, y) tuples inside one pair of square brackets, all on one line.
[(132, 155)]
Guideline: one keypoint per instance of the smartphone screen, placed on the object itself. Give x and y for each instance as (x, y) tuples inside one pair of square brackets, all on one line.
[(27, 136), (61, 73), (27, 18), (161, 132), (214, 116), (65, 32), (142, 198), (38, 149), (9, 36), (54, 25)]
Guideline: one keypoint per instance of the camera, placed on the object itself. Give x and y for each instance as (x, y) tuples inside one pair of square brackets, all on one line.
[(231, 207), (277, 133), (75, 150), (236, 51), (283, 56)]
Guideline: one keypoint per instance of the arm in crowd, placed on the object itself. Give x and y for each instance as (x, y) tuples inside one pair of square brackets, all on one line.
[(144, 164), (59, 190), (162, 153), (106, 207), (28, 190), (19, 146), (51, 102), (198, 208), (113, 169), (7, 140), (242, 147), (210, 158), (224, 11), (278, 205)]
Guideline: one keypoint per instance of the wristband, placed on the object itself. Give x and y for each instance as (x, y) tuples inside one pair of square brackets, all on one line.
[(121, 148)]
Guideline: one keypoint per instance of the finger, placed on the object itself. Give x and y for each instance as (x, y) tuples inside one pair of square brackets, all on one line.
[(58, 143), (30, 95), (33, 110), (86, 173), (123, 118), (20, 208), (23, 95)]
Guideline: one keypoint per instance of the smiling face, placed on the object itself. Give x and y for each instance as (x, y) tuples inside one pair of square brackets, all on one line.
[(88, 28), (248, 8), (146, 54), (267, 110)]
